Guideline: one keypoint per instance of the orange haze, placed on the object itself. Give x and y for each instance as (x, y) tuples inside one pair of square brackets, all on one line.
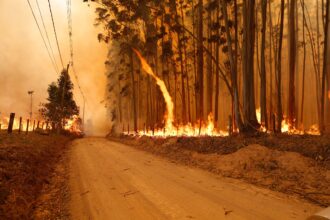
[(25, 64)]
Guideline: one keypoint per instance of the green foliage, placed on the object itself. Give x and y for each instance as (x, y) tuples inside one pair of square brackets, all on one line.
[(60, 105)]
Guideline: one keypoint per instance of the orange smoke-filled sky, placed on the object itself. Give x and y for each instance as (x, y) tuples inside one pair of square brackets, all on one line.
[(25, 64)]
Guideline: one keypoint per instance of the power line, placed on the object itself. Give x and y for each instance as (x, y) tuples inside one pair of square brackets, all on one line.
[(43, 39), (49, 44), (69, 16), (58, 47)]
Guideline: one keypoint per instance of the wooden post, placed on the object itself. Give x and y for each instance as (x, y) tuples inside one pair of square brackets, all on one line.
[(34, 124), (27, 126), (20, 125), (230, 125), (11, 123), (38, 124)]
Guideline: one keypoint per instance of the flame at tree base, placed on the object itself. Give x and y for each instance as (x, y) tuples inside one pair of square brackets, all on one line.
[(189, 130)]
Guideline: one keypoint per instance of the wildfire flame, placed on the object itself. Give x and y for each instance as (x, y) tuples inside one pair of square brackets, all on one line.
[(169, 129), (286, 127), (4, 122), (199, 128), (169, 118), (72, 125)]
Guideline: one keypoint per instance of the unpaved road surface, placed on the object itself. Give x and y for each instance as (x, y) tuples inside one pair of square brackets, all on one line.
[(114, 181)]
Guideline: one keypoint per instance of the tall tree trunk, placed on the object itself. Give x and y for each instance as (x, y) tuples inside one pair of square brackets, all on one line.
[(250, 119), (185, 64), (120, 104), (232, 61), (209, 73), (279, 71), (303, 68), (234, 111), (217, 74), (195, 61), (297, 66), (173, 10), (200, 60), (133, 92), (326, 63), (263, 93), (270, 63), (292, 63)]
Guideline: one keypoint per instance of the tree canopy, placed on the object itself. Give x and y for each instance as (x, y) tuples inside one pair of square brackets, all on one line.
[(60, 105)]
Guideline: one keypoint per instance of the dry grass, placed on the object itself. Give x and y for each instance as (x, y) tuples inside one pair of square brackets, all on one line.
[(27, 164)]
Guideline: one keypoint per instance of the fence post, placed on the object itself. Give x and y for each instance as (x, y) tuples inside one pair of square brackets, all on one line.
[(38, 124), (11, 123), (20, 125), (27, 126)]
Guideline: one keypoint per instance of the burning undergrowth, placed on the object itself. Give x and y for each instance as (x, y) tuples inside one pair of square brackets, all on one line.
[(72, 125), (200, 128), (293, 164)]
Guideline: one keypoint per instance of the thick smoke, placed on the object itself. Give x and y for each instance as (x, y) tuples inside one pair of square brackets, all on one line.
[(25, 64)]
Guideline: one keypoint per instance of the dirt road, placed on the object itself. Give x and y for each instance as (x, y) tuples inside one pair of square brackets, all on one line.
[(114, 181)]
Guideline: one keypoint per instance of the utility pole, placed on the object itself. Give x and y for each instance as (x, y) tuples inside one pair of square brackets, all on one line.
[(31, 95)]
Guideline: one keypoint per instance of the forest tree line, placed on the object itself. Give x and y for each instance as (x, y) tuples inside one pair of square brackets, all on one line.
[(225, 57)]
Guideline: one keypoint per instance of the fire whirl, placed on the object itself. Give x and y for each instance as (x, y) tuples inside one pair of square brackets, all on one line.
[(181, 130)]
